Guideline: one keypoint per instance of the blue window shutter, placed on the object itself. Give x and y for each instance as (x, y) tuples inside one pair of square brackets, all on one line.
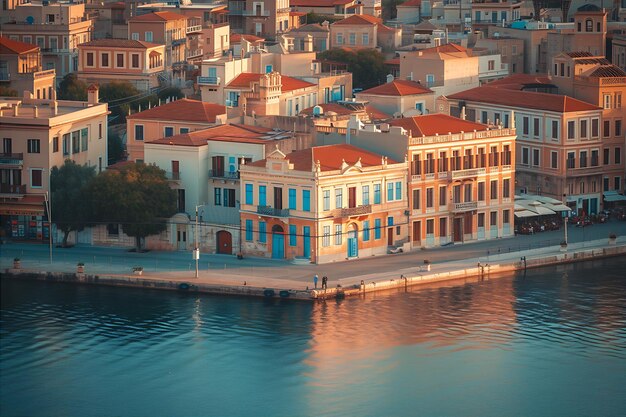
[(262, 234), (262, 195), (249, 229), (306, 200), (292, 235), (292, 199)]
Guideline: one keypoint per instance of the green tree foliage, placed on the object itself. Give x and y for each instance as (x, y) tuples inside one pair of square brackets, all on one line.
[(137, 196), (171, 92), (67, 190), (71, 88), (366, 65), (120, 95), (116, 149)]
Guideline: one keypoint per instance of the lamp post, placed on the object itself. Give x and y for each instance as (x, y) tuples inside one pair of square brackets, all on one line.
[(196, 250), (566, 219), (48, 204)]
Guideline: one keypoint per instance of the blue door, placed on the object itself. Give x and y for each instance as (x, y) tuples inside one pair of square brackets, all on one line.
[(307, 241), (353, 244), (278, 245)]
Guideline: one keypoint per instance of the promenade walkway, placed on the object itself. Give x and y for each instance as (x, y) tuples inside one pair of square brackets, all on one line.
[(227, 270)]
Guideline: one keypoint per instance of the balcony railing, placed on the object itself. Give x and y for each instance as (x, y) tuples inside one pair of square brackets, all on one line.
[(581, 172), (355, 211), (209, 80), (194, 53), (172, 176), (13, 189), (461, 207), (465, 173), (12, 159), (220, 173), (270, 211), (194, 28)]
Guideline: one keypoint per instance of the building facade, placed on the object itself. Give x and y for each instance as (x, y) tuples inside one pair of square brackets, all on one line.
[(20, 69)]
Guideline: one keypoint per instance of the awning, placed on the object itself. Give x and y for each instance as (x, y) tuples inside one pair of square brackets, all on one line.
[(541, 210), (611, 196), (524, 213), (558, 207), (29, 205)]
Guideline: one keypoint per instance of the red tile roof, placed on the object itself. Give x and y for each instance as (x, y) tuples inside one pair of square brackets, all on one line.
[(221, 133), (607, 71), (447, 48), (437, 123), (371, 111), (183, 110), (579, 54), (411, 3), (331, 157), (236, 38), (523, 99), (519, 81), (360, 19), (318, 3), (8, 46), (383, 28), (244, 79), (393, 61), (398, 88), (120, 43), (158, 17)]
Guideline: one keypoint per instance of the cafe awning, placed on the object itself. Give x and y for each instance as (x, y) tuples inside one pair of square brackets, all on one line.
[(524, 213), (30, 205), (558, 207), (612, 196)]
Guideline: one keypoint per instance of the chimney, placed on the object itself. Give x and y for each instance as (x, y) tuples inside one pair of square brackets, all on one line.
[(390, 78), (93, 94), (463, 113)]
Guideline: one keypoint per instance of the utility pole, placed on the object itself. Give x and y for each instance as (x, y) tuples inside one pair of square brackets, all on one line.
[(566, 220), (47, 199)]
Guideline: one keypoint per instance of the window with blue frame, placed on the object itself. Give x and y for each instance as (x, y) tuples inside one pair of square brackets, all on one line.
[(390, 191), (326, 199), (249, 230), (292, 199), (218, 196), (366, 195), (268, 69), (306, 200), (292, 235), (249, 194), (366, 230), (376, 193), (376, 228), (262, 232), (389, 221), (338, 198), (399, 190), (169, 131), (262, 195)]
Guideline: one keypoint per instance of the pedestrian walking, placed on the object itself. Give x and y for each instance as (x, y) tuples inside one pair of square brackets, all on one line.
[(315, 278), (324, 282)]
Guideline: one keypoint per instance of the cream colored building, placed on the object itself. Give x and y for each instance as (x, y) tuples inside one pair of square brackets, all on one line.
[(323, 204), (364, 32), (400, 97), (38, 134), (20, 69)]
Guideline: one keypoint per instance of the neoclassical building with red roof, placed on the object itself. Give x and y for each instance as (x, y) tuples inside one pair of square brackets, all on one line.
[(323, 204), (400, 97)]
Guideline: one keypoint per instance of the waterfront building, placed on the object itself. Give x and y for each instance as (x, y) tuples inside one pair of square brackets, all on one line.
[(21, 69), (364, 32), (323, 204), (400, 97), (267, 18), (138, 62), (57, 27), (37, 135), (559, 141), (169, 119)]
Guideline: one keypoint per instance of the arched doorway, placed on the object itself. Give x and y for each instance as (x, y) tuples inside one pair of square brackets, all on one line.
[(224, 242), (353, 241), (278, 242)]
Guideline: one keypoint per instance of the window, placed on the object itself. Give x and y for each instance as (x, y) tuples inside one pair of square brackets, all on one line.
[(616, 183), (352, 37), (366, 195), (571, 129), (442, 196), (554, 160), (66, 144), (249, 194), (442, 227), (268, 69), (119, 60), (135, 60), (583, 128), (525, 126), (483, 117), (35, 177), (606, 155), (390, 191), (262, 195), (494, 190), (506, 188), (55, 144), (506, 215), (338, 198), (326, 238), (618, 101), (340, 39), (605, 184), (292, 235), (579, 27), (481, 191), (562, 69), (525, 156), (398, 190), (351, 197), (493, 221), (571, 160), (366, 230), (292, 199), (416, 199), (104, 59), (138, 132), (148, 36), (430, 227), (618, 156), (588, 25), (90, 59), (249, 230), (607, 101), (536, 161), (442, 166), (337, 234), (430, 197), (217, 196), (595, 128), (536, 127), (229, 197), (168, 131), (34, 146), (135, 36), (456, 193), (184, 130), (377, 229), (606, 130), (583, 159), (326, 194), (306, 200), (467, 189), (618, 128), (491, 65), (594, 158), (262, 232), (376, 193), (84, 139), (366, 39)]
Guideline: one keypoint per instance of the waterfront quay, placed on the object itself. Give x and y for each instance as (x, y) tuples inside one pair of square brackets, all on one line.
[(222, 274)]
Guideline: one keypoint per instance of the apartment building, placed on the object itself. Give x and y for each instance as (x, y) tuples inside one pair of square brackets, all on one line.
[(364, 32), (267, 18), (37, 135), (495, 12), (20, 69), (339, 9), (56, 27), (559, 143), (400, 97), (293, 205), (511, 51), (138, 62), (319, 35), (619, 51)]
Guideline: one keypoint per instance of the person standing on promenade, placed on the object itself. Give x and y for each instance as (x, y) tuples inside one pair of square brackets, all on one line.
[(315, 278), (324, 282)]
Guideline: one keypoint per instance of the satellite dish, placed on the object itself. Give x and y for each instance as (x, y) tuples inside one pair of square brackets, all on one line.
[(30, 20)]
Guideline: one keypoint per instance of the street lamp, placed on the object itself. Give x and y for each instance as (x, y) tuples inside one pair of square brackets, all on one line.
[(566, 219), (196, 250), (48, 204)]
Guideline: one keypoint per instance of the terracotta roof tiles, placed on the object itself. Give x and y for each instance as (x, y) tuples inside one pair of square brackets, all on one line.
[(120, 43), (158, 17), (438, 123), (607, 71), (318, 3), (244, 79), (359, 19), (8, 46), (398, 88), (183, 110), (221, 133)]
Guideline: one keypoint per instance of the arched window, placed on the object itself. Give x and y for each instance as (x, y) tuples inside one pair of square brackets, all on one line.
[(588, 25)]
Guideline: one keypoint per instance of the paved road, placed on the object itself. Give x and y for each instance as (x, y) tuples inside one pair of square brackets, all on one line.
[(105, 260)]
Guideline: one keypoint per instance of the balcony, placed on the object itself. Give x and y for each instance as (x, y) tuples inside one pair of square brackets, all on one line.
[(209, 80), (581, 172), (194, 29), (220, 173), (15, 159), (463, 207), (194, 53), (270, 211), (180, 41), (355, 211), (13, 190), (468, 173), (172, 176)]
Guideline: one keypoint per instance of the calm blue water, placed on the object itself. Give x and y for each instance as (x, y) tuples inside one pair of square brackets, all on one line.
[(550, 343)]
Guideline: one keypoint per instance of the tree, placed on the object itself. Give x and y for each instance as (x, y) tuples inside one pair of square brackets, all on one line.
[(366, 65), (120, 95), (115, 146), (137, 196), (67, 191), (71, 88)]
